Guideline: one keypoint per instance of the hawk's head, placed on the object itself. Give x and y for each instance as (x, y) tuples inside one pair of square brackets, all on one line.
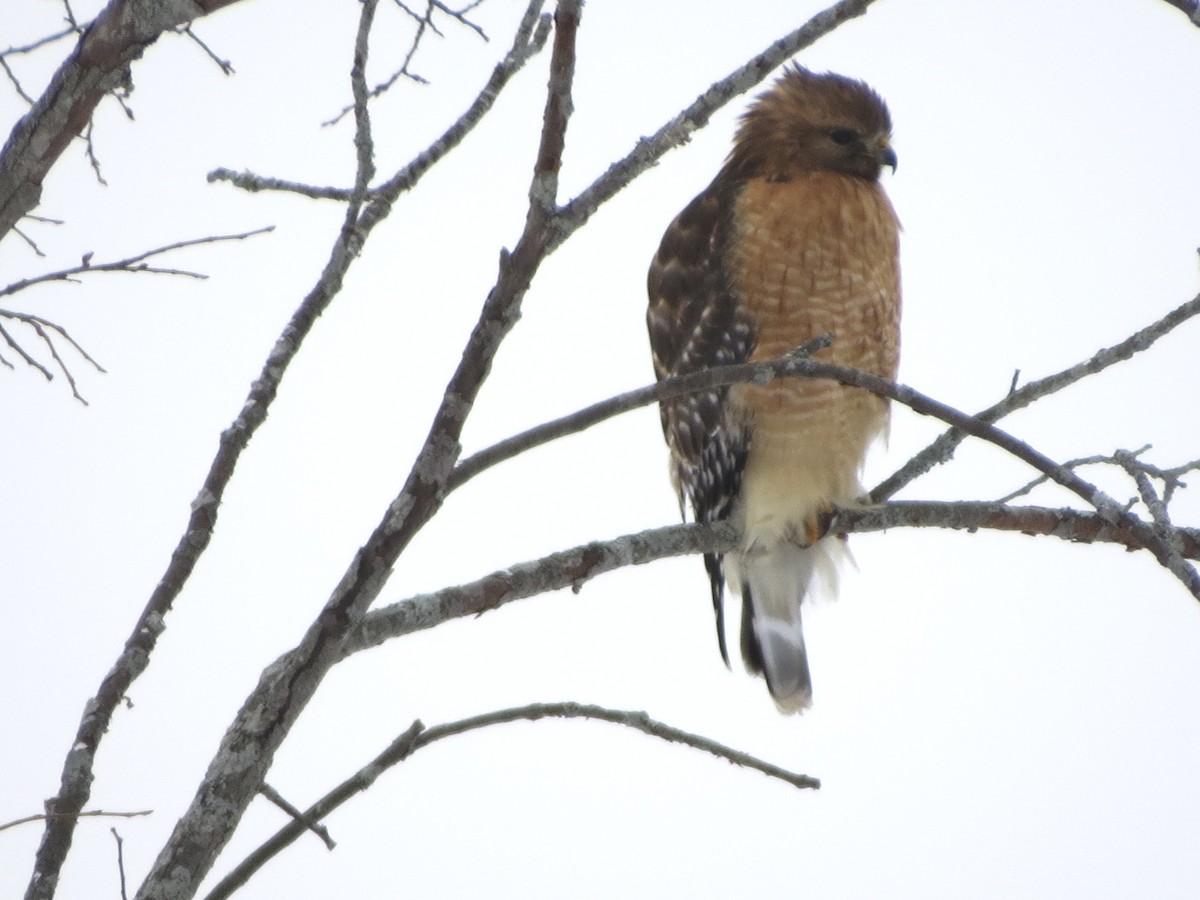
[(808, 122)]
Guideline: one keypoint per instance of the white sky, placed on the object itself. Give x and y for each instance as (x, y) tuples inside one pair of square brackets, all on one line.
[(995, 716)]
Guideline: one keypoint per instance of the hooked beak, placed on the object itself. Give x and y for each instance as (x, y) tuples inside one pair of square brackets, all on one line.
[(886, 156)]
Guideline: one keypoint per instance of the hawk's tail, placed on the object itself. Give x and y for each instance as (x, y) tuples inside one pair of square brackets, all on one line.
[(774, 584)]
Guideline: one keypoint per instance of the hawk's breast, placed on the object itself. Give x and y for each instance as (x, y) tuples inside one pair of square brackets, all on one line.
[(814, 254)]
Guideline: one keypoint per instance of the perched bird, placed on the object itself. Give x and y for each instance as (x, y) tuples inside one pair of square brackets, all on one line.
[(794, 238)]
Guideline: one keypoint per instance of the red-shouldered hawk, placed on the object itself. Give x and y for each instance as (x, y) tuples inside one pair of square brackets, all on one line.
[(795, 237)]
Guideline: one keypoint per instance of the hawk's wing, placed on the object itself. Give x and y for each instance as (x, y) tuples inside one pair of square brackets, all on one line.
[(695, 323)]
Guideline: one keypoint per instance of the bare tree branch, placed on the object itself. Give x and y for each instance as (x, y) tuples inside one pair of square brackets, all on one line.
[(568, 568), (28, 241), (40, 42), (758, 372), (234, 778), (1157, 508), (28, 360), (40, 326), (797, 364), (131, 264), (1106, 506), (37, 325), (90, 813), (16, 83), (27, 49), (120, 861), (77, 770), (223, 64), (99, 64), (1094, 460), (248, 181), (425, 23), (572, 568), (302, 818), (417, 737), (943, 448), (529, 40)]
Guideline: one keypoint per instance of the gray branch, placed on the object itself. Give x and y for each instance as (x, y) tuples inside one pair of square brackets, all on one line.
[(942, 449), (574, 567), (417, 737)]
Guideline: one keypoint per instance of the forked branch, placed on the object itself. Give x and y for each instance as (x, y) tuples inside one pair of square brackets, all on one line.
[(48, 332)]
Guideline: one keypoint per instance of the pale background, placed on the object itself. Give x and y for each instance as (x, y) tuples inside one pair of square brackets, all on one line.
[(995, 716)]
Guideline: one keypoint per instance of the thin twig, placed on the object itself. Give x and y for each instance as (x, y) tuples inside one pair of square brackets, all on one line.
[(383, 87), (38, 321), (40, 42), (70, 14), (40, 331), (398, 750), (86, 814), (460, 15), (25, 357), (16, 83), (1095, 460), (40, 326), (416, 738), (133, 264), (1128, 461), (1157, 508), (248, 181), (528, 41), (90, 152), (706, 380), (1171, 478), (942, 448), (425, 23), (303, 818), (225, 65), (28, 240), (120, 861)]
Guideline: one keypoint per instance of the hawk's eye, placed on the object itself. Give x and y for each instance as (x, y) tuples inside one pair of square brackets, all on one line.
[(841, 136)]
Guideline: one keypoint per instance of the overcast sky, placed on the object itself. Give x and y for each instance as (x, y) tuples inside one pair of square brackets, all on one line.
[(995, 716)]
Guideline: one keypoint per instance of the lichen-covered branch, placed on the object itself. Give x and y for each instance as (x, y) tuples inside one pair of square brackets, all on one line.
[(572, 568)]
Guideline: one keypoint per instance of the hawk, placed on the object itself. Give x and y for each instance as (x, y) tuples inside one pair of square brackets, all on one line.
[(794, 238)]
